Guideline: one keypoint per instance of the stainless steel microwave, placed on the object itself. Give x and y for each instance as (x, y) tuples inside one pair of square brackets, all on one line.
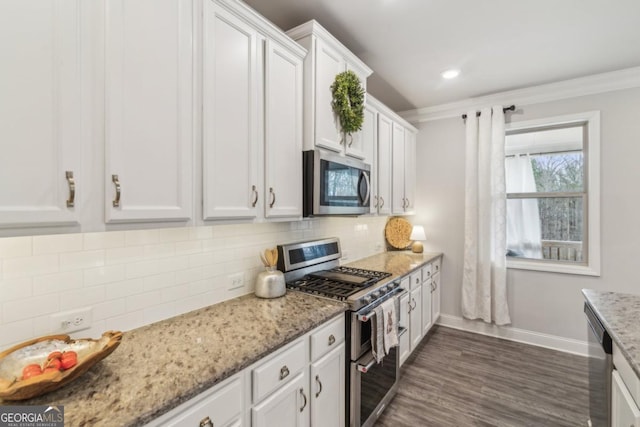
[(335, 185)]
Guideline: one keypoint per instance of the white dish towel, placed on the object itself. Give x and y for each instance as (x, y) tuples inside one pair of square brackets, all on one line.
[(390, 324)]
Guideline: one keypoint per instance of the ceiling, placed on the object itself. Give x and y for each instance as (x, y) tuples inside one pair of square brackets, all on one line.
[(498, 45)]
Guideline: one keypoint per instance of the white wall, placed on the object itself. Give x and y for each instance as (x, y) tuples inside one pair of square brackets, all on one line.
[(133, 278), (543, 303)]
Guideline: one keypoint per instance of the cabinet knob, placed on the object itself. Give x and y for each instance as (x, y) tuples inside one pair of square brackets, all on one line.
[(273, 197), (284, 372), (206, 422), (332, 339), (72, 189)]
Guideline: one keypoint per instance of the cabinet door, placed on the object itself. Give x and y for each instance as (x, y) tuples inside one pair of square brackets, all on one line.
[(357, 145), (415, 317), (427, 289), (410, 170), (385, 136), (283, 126), (327, 389), (41, 119), (404, 339), (148, 110), (286, 407), (624, 410), (435, 299), (329, 63), (367, 140), (398, 164), (230, 115)]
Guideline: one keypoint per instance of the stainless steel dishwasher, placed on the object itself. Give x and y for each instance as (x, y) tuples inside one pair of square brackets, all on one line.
[(600, 366)]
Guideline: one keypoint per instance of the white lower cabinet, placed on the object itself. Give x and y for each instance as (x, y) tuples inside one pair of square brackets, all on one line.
[(287, 407), (625, 392), (327, 377), (405, 308), (415, 317), (624, 410), (419, 307), (220, 406), (301, 384)]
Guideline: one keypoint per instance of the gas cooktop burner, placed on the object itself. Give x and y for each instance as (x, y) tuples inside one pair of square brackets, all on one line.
[(338, 283)]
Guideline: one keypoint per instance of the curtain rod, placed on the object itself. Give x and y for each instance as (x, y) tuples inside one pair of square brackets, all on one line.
[(504, 110)]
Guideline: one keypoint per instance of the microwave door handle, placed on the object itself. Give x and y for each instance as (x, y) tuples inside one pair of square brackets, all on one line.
[(364, 175)]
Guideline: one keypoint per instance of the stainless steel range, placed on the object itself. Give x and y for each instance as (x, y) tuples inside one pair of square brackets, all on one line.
[(314, 267)]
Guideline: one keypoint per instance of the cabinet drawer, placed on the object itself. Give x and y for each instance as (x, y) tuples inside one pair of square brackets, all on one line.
[(426, 272), (278, 370), (627, 374), (416, 279), (327, 338), (435, 266), (220, 407)]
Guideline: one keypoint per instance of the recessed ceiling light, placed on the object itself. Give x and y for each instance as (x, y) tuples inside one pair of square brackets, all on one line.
[(450, 74)]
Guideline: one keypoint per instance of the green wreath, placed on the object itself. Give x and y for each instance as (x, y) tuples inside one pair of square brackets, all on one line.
[(348, 101)]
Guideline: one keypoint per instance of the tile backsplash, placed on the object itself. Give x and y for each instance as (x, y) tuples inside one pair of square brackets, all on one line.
[(133, 278)]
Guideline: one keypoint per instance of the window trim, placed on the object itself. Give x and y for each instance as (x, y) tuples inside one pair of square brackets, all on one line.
[(592, 177)]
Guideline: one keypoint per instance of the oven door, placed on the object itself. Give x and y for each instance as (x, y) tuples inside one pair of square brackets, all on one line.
[(373, 385)]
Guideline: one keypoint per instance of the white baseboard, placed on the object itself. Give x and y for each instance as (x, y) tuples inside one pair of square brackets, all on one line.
[(553, 342)]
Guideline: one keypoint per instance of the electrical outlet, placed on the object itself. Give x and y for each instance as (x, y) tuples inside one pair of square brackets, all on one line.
[(72, 321), (236, 281)]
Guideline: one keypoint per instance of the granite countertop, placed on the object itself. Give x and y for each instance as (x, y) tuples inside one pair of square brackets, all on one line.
[(398, 263), (619, 314), (159, 366)]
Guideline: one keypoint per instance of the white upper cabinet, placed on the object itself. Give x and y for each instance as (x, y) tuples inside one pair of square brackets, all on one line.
[(327, 57), (329, 63), (231, 74), (404, 170), (383, 158), (368, 138), (148, 110), (252, 116), (41, 115), (283, 128)]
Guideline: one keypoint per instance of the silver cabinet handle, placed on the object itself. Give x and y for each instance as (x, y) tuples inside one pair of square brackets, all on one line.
[(415, 304), (72, 189), (116, 181), (408, 203), (375, 205), (382, 202), (304, 405), (332, 339), (255, 194), (284, 372), (319, 385), (206, 422), (432, 287), (273, 197), (410, 308)]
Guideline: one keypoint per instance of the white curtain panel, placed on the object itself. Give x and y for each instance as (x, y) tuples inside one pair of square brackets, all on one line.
[(523, 217), (484, 281)]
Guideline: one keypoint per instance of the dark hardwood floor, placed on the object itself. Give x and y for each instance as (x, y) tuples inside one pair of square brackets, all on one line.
[(457, 378)]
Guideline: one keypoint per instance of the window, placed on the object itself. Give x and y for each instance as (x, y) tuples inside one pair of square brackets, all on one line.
[(552, 184)]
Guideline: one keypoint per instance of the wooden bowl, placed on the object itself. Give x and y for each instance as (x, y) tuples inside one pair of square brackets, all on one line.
[(13, 360)]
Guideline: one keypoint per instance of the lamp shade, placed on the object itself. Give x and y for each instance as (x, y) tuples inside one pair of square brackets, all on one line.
[(417, 233)]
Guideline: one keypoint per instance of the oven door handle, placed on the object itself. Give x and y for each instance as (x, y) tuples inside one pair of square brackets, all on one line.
[(365, 317), (366, 366)]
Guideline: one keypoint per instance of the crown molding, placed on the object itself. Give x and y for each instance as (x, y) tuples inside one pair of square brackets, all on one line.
[(590, 85)]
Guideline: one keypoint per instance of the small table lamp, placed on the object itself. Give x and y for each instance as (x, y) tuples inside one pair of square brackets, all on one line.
[(417, 234)]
